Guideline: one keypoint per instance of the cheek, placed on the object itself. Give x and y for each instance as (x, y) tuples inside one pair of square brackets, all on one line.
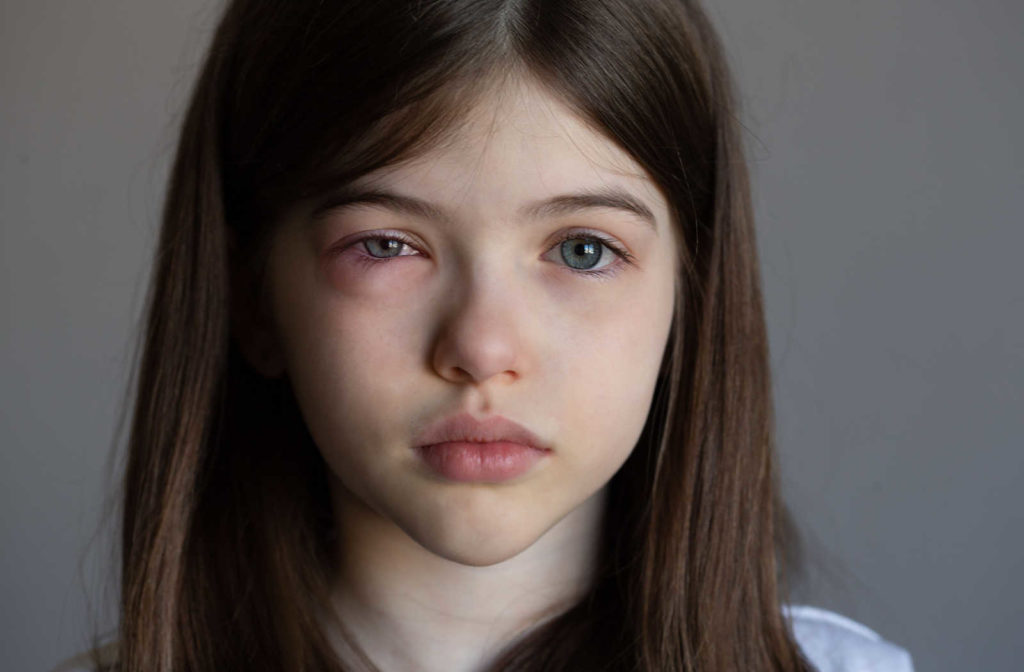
[(611, 370), (348, 352), (341, 308)]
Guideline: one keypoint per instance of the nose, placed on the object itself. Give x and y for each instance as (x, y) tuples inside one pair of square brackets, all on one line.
[(480, 334)]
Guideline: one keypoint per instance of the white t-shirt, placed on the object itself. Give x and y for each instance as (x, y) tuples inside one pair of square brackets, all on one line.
[(832, 643)]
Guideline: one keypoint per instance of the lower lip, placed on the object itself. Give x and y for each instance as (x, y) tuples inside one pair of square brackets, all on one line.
[(480, 462)]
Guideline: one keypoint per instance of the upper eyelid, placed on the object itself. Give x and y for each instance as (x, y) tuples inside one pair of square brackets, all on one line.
[(584, 232), (385, 235)]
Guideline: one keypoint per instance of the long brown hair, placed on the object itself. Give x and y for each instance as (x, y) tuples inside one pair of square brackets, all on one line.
[(227, 526)]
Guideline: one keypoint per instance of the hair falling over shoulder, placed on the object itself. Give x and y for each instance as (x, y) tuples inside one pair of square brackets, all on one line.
[(227, 528)]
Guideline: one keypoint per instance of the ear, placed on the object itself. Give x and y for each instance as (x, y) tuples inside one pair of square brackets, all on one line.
[(252, 327)]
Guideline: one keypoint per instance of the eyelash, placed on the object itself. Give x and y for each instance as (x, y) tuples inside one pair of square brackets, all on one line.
[(612, 269)]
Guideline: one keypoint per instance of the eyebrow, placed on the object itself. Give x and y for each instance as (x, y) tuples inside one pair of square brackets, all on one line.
[(610, 198)]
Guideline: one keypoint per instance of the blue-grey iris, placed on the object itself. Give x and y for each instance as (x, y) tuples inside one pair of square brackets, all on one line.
[(581, 253), (390, 247)]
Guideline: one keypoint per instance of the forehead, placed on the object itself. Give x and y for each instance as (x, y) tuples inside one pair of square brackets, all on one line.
[(518, 143)]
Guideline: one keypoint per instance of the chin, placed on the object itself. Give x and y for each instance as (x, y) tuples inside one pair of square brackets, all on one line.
[(477, 556), (474, 548)]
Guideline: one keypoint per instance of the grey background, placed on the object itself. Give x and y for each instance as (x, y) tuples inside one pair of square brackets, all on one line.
[(888, 176)]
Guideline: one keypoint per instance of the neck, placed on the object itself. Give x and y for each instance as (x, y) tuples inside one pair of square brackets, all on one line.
[(409, 609)]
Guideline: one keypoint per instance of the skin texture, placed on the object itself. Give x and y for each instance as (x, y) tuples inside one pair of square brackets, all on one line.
[(480, 313)]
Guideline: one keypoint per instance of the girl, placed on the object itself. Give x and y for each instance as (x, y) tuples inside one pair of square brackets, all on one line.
[(455, 355)]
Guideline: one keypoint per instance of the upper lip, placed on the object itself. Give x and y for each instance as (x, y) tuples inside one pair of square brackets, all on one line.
[(464, 427)]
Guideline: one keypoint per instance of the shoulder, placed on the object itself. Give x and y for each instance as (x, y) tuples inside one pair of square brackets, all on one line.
[(834, 643)]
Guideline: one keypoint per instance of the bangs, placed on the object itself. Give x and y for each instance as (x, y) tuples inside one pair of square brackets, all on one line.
[(328, 109), (427, 121)]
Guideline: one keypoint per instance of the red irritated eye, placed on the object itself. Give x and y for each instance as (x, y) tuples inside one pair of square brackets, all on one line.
[(380, 247), (377, 248)]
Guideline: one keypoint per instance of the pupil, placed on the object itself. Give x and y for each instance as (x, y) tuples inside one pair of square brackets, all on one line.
[(389, 247), (580, 253)]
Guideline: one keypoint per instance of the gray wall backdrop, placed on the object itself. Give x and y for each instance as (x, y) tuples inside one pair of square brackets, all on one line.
[(889, 178)]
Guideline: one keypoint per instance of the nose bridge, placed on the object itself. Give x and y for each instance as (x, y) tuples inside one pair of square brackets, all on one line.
[(480, 334)]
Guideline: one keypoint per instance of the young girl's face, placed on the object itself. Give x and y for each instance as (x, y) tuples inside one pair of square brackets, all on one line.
[(444, 287)]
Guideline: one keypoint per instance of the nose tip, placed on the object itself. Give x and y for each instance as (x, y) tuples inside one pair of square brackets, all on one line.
[(479, 341)]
